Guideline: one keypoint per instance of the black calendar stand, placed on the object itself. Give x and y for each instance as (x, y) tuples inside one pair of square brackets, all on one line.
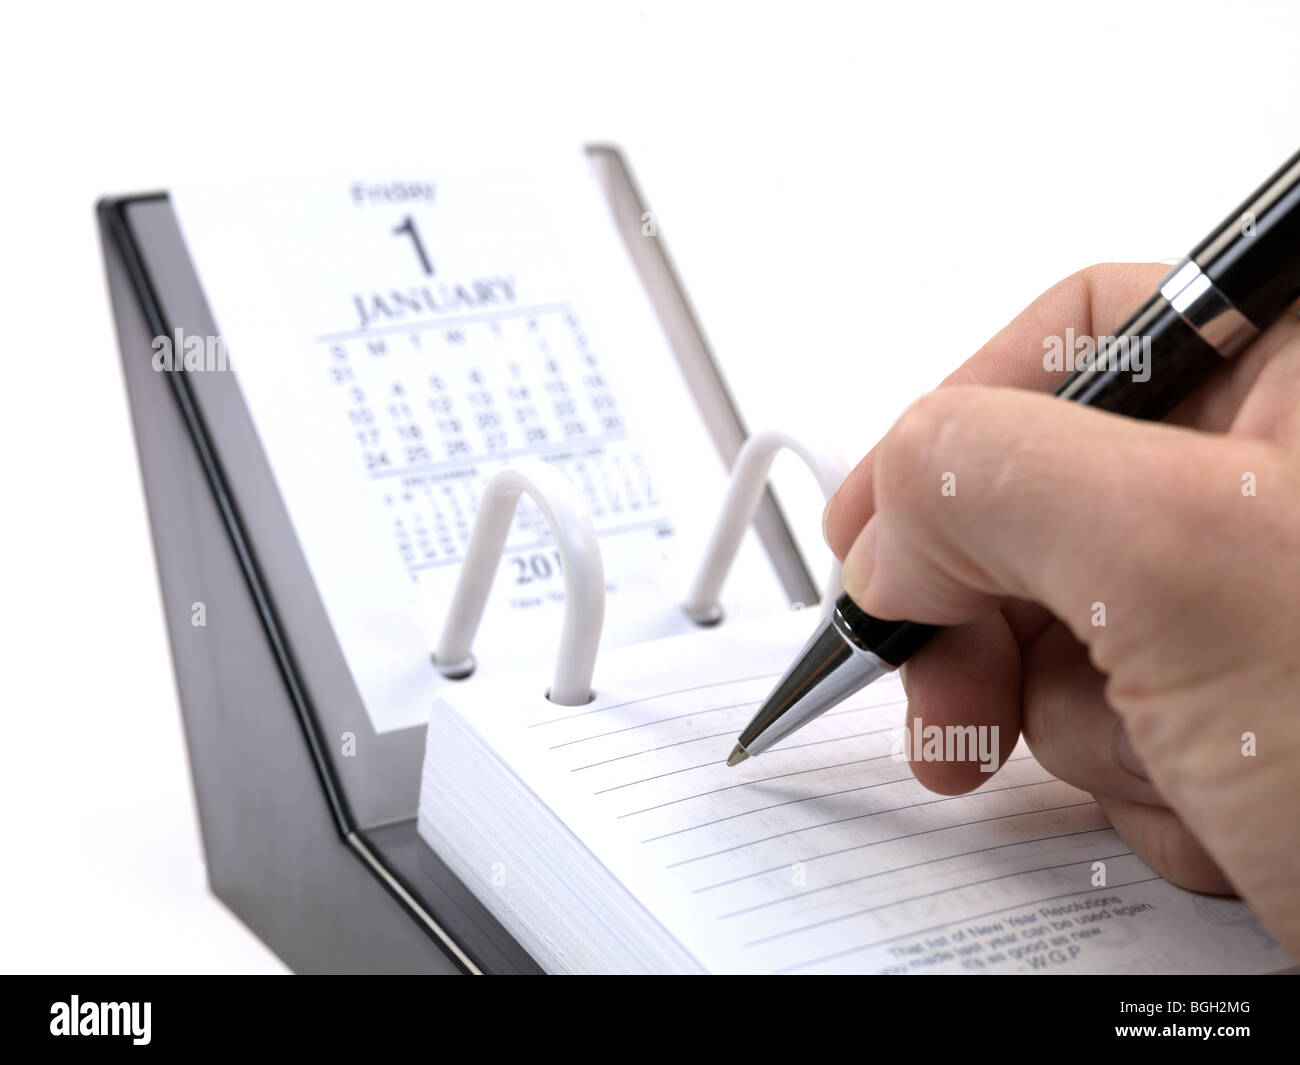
[(316, 852)]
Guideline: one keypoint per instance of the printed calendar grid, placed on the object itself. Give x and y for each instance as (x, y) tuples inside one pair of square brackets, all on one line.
[(434, 408)]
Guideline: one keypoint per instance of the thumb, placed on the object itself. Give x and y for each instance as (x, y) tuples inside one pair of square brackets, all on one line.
[(984, 494)]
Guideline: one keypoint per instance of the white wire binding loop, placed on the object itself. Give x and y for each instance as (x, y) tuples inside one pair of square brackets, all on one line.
[(580, 561), (744, 493)]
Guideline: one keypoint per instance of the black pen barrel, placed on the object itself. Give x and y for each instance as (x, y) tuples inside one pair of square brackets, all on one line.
[(1253, 256), (1143, 370)]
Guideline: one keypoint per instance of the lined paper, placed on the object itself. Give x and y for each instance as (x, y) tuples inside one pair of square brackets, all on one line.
[(825, 854)]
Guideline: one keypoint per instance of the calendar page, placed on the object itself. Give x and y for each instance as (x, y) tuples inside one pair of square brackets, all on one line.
[(398, 339)]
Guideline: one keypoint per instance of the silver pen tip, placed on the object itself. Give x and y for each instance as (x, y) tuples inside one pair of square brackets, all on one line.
[(738, 754)]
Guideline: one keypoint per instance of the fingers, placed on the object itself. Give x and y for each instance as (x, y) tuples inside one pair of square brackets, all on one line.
[(972, 675), (1026, 619), (1093, 301), (1225, 755), (1160, 839), (1070, 727), (985, 494), (965, 676)]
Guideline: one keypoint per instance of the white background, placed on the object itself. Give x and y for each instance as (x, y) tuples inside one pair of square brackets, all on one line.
[(856, 196)]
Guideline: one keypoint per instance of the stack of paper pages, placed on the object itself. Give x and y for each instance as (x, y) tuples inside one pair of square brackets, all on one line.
[(611, 837)]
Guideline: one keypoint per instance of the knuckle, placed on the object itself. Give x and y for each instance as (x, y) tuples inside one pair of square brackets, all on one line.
[(914, 453)]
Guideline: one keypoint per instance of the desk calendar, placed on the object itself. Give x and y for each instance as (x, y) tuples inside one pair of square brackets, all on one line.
[(397, 341)]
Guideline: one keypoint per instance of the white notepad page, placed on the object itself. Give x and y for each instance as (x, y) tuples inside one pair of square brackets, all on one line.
[(398, 338), (822, 855)]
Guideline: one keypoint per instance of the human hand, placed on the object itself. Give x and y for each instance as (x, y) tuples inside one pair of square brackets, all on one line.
[(1180, 711)]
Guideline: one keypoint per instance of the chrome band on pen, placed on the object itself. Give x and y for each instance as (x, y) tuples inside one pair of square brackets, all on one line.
[(1191, 293)]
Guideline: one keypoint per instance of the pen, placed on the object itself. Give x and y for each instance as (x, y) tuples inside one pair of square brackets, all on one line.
[(1205, 311)]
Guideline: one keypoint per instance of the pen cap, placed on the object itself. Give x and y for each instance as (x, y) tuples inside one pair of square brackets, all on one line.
[(1253, 257)]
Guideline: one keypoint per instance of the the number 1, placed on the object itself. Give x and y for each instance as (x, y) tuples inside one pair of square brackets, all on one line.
[(408, 226)]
